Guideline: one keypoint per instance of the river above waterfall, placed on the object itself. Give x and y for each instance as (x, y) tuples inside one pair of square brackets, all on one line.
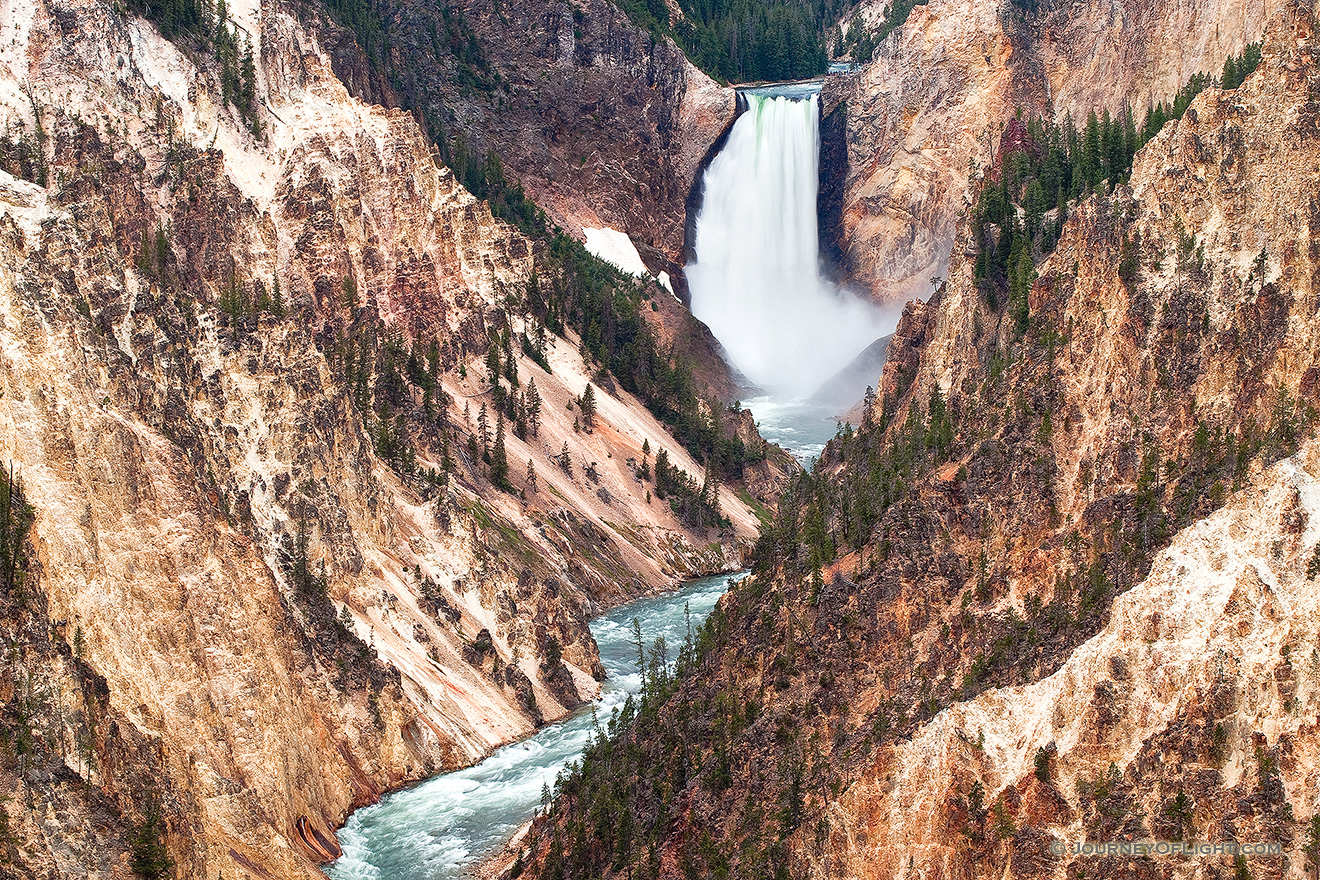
[(447, 824)]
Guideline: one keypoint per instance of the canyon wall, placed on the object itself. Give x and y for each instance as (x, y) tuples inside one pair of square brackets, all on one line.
[(1060, 585), (923, 118), (241, 358), (603, 124)]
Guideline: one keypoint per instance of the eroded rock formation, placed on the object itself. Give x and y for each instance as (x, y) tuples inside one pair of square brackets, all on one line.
[(601, 123), (924, 116), (267, 580), (1061, 584)]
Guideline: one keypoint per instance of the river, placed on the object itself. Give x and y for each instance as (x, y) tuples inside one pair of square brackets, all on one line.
[(440, 828)]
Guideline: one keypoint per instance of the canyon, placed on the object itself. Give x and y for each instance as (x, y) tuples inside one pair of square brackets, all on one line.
[(1059, 584), (919, 124), (323, 463)]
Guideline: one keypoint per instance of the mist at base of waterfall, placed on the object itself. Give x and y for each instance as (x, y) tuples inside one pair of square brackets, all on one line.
[(756, 280)]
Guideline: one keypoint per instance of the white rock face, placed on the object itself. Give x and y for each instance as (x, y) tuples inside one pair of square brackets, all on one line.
[(173, 459), (1228, 603)]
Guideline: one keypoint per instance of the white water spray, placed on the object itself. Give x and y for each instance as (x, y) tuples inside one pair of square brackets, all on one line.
[(756, 281)]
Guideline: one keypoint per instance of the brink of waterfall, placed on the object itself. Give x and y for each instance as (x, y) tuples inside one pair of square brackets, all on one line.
[(757, 281)]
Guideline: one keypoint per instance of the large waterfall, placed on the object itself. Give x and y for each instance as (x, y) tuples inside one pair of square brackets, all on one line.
[(757, 278)]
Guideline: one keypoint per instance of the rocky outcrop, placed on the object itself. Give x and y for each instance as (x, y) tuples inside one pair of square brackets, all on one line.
[(601, 123), (238, 376), (1188, 717), (925, 115)]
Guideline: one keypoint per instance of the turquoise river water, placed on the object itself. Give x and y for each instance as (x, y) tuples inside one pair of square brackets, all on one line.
[(444, 826)]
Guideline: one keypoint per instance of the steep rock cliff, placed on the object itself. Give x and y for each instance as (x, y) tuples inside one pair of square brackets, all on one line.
[(925, 114), (268, 583), (601, 123), (1059, 585)]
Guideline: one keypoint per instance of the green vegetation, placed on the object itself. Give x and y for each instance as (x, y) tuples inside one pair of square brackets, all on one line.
[(822, 518), (860, 42), (1042, 764), (205, 27), (574, 290), (1311, 849), (748, 40), (922, 475), (15, 522), (732, 40), (22, 153), (699, 508), (149, 858), (1045, 166), (625, 798)]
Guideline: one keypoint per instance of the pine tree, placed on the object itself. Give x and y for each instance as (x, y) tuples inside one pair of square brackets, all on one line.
[(499, 461), (1091, 158), (1312, 847), (531, 478), (15, 520), (483, 429), (587, 403), (248, 81), (493, 365), (162, 251), (532, 408), (519, 403), (713, 490), (510, 362), (662, 475), (145, 265), (149, 857)]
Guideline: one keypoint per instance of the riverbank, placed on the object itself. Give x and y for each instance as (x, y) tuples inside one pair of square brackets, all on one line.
[(444, 826)]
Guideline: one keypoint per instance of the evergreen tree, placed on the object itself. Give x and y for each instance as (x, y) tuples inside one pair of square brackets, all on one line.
[(15, 521), (493, 369), (499, 460), (149, 858), (531, 478), (248, 79), (1090, 160), (1312, 848), (510, 362), (483, 429), (587, 403), (532, 408)]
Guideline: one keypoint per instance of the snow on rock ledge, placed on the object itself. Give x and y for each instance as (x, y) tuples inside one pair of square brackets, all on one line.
[(615, 248)]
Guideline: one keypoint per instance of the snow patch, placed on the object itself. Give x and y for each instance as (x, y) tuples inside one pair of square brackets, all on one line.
[(617, 249)]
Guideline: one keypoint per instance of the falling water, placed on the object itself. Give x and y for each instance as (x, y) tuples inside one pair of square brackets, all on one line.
[(757, 279)]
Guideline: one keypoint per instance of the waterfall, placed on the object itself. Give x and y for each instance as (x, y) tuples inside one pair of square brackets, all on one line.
[(756, 281)]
